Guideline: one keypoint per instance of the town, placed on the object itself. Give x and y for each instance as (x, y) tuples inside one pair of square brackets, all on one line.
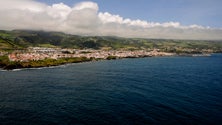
[(40, 53)]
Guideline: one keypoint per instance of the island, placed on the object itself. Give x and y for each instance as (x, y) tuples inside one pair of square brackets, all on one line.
[(33, 49)]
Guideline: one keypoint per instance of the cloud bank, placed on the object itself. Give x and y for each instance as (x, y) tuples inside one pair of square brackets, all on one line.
[(85, 19)]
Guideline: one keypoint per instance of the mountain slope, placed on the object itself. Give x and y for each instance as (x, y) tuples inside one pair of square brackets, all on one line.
[(20, 39)]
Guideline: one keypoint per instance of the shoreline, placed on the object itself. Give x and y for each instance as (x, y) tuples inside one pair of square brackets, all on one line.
[(16, 65)]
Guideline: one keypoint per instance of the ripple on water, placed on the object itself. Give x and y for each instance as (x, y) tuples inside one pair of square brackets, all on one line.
[(162, 90)]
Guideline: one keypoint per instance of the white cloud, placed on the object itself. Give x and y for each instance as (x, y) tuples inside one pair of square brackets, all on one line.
[(86, 5), (85, 19), (109, 18), (59, 11), (28, 5)]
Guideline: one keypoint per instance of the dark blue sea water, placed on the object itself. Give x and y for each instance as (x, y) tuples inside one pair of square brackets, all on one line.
[(159, 90)]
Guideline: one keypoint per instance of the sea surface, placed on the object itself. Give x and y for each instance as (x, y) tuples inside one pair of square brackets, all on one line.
[(141, 91)]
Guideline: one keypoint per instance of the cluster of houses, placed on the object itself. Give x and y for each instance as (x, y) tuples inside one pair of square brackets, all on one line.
[(39, 53)]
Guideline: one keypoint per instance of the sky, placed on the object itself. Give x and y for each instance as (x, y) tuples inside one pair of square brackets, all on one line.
[(187, 12), (170, 19)]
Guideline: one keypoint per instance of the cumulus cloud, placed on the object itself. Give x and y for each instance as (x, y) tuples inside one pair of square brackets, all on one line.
[(85, 19)]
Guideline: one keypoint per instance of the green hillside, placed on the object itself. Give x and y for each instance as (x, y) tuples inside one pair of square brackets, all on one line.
[(21, 39)]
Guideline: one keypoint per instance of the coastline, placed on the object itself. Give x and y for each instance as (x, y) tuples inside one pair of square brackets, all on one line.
[(50, 62)]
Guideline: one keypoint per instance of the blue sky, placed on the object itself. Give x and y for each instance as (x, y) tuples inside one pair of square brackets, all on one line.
[(187, 12)]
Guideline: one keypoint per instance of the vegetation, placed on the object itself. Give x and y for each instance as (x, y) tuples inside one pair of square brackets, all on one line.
[(21, 39), (6, 64), (4, 61), (111, 57)]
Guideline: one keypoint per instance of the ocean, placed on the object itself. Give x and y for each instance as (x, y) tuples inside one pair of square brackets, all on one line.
[(140, 91)]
